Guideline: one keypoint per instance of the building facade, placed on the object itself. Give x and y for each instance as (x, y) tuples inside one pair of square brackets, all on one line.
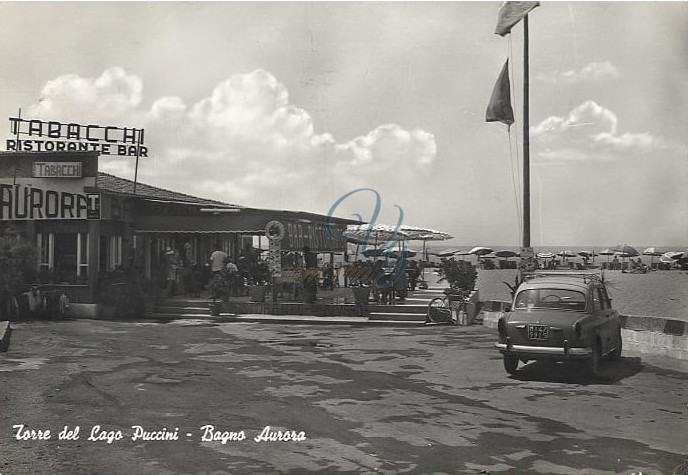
[(85, 223)]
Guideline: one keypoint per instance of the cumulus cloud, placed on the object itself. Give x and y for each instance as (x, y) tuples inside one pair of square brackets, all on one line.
[(113, 94), (596, 71), (590, 131), (246, 142)]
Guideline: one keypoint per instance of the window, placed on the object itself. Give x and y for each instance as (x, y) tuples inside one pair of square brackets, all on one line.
[(82, 255), (110, 252), (44, 245), (563, 299), (64, 253)]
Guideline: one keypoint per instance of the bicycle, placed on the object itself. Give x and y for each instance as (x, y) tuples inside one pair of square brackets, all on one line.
[(440, 311)]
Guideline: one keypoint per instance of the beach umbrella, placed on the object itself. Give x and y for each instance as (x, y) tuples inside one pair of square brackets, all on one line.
[(588, 255), (625, 250), (545, 255), (607, 252), (375, 252), (666, 259), (415, 233), (364, 233), (480, 251), (357, 233), (676, 255), (446, 253), (409, 253), (506, 254), (566, 253), (652, 252)]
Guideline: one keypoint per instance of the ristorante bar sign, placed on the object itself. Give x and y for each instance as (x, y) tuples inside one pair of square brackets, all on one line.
[(54, 136)]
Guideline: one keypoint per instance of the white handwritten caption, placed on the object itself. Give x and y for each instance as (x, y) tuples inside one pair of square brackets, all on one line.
[(208, 433)]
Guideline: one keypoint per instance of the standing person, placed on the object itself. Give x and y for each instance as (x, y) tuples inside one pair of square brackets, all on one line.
[(234, 277), (401, 282), (217, 261), (413, 274), (173, 263)]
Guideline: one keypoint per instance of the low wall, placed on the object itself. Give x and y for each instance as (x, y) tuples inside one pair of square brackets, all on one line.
[(5, 332), (291, 308), (655, 336), (493, 310)]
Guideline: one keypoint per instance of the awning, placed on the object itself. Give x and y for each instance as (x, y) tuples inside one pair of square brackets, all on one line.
[(224, 223), (299, 232)]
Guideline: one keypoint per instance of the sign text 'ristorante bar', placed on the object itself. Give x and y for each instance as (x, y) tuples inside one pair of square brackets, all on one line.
[(19, 202), (106, 140)]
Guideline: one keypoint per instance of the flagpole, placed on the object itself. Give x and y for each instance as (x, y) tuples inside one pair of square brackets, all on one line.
[(526, 140)]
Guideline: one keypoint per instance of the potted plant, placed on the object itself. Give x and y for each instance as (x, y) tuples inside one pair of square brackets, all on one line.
[(257, 278), (360, 277), (461, 277), (219, 291)]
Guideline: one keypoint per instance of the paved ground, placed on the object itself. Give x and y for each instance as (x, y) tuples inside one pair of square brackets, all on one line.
[(369, 400)]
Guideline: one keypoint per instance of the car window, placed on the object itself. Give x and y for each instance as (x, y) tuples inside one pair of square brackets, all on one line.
[(550, 298)]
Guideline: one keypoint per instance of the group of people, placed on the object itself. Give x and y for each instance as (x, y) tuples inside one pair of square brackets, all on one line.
[(182, 273), (387, 284), (631, 266)]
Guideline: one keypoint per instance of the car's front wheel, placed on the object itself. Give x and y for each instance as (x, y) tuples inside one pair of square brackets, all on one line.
[(511, 364)]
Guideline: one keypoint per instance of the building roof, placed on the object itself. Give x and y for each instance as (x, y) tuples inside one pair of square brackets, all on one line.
[(114, 184)]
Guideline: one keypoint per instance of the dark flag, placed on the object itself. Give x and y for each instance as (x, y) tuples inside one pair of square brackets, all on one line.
[(511, 13), (499, 109)]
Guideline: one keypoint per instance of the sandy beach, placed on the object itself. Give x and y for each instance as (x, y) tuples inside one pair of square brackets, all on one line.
[(658, 293)]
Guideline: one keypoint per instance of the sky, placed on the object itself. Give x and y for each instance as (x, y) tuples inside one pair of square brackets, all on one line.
[(292, 105)]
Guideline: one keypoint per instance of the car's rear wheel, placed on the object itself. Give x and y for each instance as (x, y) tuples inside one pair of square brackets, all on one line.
[(593, 363), (511, 364), (616, 353)]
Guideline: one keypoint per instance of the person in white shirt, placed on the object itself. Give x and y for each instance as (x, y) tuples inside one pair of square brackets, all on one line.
[(217, 261)]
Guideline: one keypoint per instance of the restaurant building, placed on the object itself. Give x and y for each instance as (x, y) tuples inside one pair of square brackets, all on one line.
[(84, 222)]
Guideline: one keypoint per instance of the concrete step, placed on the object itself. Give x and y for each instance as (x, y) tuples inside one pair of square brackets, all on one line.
[(178, 310), (180, 316), (197, 302), (396, 323), (393, 316), (398, 308)]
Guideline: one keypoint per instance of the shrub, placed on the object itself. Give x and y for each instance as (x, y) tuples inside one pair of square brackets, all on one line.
[(460, 275)]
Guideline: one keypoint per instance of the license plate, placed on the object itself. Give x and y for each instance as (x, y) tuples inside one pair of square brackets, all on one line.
[(538, 332)]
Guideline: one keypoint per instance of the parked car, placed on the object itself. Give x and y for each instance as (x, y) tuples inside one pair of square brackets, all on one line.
[(560, 316)]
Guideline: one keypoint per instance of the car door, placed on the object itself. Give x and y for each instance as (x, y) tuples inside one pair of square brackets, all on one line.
[(611, 318), (603, 310), (601, 317)]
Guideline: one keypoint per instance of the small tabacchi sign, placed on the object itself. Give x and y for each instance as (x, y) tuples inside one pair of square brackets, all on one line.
[(57, 170)]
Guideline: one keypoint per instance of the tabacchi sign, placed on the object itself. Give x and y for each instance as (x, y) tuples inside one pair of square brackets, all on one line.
[(54, 136)]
